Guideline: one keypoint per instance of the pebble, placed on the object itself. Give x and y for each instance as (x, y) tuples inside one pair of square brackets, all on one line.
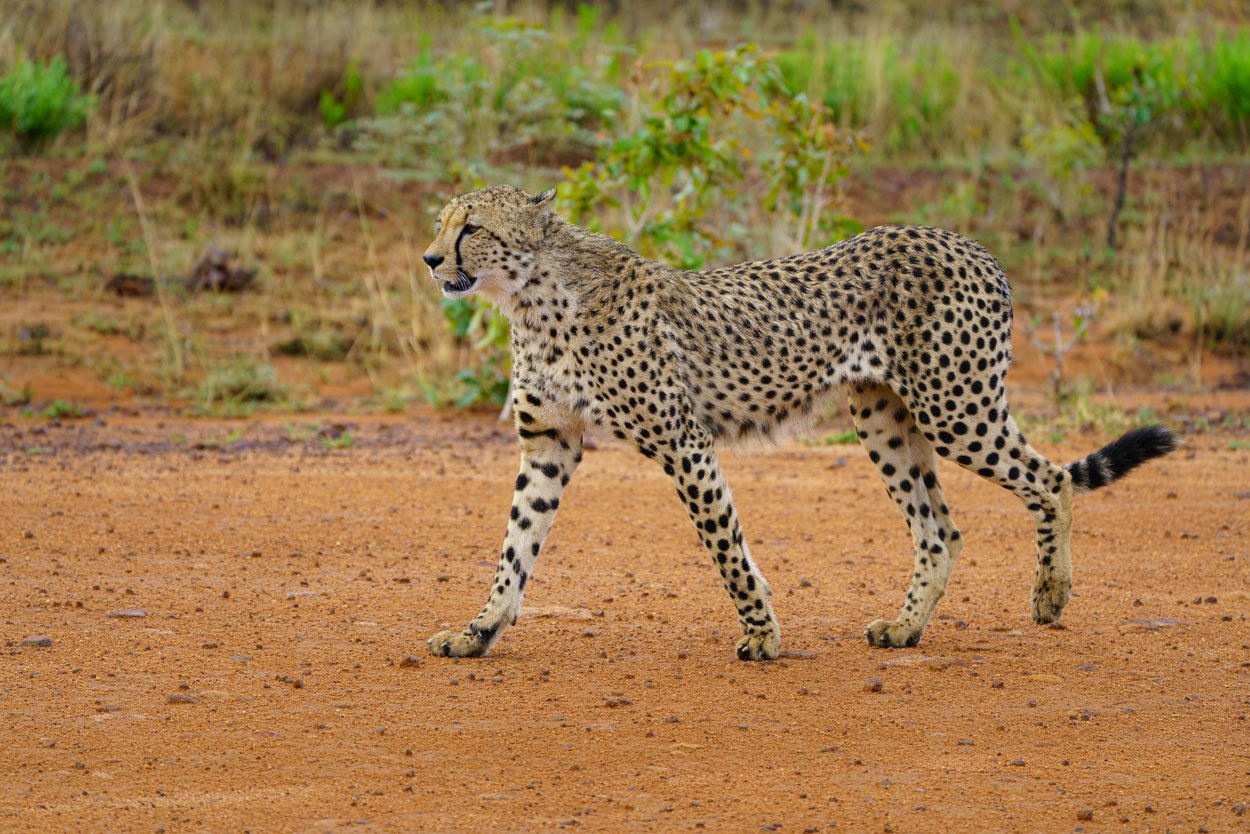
[(1085, 814), (182, 698), (240, 658), (410, 661), (874, 685), (42, 641), (1017, 762), (210, 644), (996, 684), (127, 613)]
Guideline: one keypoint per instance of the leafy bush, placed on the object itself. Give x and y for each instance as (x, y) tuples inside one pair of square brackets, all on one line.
[(675, 177), (38, 102)]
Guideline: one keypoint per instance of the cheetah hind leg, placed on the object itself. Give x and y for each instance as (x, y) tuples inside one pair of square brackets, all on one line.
[(908, 467), (997, 451)]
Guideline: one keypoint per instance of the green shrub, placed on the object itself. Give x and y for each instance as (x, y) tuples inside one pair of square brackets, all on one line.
[(709, 124), (38, 102)]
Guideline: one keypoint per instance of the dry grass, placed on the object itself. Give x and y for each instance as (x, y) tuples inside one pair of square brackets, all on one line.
[(1185, 273)]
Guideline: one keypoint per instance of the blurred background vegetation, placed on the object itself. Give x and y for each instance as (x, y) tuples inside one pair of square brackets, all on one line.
[(222, 205)]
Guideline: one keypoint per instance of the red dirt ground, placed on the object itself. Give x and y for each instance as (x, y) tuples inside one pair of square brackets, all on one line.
[(285, 584)]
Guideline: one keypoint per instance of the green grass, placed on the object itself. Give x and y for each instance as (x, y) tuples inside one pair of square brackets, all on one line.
[(943, 93), (334, 442)]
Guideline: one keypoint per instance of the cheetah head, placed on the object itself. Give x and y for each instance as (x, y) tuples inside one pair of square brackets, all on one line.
[(486, 241)]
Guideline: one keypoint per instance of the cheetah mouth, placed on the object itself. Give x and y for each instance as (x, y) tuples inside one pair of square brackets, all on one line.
[(462, 283)]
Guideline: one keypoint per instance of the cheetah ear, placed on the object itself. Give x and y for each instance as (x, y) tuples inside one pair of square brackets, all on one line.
[(543, 202)]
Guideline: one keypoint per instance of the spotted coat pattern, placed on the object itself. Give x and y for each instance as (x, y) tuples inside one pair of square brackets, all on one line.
[(912, 324)]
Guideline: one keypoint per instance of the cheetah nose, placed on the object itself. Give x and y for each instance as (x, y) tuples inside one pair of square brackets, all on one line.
[(432, 260)]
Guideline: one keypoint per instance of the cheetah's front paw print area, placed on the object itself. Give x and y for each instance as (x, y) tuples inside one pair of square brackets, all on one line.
[(1049, 598), (885, 634), (759, 646), (457, 644)]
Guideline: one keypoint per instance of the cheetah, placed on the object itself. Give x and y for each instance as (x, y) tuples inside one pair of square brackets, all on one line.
[(912, 323)]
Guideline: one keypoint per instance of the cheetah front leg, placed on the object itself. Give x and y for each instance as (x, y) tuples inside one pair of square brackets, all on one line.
[(908, 467), (702, 488), (551, 448)]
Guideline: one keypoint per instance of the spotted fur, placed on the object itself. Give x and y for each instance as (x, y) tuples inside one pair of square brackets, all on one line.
[(913, 324)]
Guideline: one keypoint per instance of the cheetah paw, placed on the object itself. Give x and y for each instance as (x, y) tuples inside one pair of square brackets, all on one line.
[(885, 634), (1049, 600), (759, 646), (457, 644)]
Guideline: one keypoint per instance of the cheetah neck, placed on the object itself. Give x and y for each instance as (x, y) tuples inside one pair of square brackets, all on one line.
[(570, 272)]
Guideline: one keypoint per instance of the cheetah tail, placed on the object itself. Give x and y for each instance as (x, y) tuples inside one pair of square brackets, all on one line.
[(1121, 456)]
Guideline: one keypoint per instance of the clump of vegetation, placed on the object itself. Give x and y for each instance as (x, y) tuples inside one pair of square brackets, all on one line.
[(338, 107), (64, 410), (522, 91), (324, 345), (334, 440), (239, 386), (706, 126), (11, 396), (38, 102)]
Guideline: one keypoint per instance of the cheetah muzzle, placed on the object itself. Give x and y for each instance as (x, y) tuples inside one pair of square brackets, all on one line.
[(462, 283), (912, 324)]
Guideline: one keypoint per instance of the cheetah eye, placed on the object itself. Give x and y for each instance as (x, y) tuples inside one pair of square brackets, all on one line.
[(469, 229)]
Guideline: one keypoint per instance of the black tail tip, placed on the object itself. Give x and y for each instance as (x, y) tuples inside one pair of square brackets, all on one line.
[(1123, 455), (1140, 445)]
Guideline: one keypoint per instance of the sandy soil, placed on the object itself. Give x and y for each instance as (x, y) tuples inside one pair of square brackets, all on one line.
[(277, 678)]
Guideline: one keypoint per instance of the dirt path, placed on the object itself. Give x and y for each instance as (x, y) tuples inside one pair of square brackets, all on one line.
[(284, 584)]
